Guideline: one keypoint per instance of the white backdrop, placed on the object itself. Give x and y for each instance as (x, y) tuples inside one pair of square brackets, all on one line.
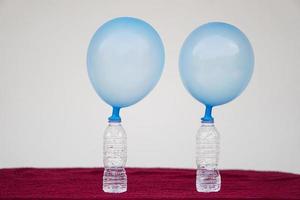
[(50, 115)]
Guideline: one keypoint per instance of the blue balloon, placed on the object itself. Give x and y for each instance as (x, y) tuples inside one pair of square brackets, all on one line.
[(216, 63), (125, 60)]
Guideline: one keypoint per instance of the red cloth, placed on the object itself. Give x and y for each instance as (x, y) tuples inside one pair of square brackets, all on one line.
[(86, 183)]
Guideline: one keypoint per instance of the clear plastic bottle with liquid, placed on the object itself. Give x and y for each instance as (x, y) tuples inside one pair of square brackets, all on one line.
[(115, 157), (208, 178)]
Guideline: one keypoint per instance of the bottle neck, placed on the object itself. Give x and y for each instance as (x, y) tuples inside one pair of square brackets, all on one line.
[(207, 123), (113, 123)]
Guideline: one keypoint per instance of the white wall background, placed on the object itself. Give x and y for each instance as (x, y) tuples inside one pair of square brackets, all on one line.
[(51, 117)]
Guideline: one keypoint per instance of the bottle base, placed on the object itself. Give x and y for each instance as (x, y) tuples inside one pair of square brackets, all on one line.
[(114, 180), (115, 189), (208, 180), (209, 188)]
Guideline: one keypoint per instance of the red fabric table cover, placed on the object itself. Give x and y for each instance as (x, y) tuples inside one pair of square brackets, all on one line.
[(143, 183)]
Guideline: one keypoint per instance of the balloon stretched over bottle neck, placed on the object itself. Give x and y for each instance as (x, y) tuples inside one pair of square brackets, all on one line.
[(115, 117), (207, 116)]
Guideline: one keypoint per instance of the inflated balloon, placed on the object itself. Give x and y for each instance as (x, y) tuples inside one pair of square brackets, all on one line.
[(125, 60), (216, 63)]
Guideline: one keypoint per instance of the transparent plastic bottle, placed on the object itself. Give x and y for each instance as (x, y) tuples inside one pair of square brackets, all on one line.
[(208, 178), (115, 157)]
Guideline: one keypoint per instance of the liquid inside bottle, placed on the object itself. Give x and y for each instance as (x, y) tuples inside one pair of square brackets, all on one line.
[(115, 156), (208, 178)]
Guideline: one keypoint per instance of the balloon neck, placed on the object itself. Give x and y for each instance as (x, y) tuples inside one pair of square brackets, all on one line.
[(115, 117), (207, 116)]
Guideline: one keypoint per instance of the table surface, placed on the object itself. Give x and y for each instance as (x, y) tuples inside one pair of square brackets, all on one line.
[(143, 183)]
